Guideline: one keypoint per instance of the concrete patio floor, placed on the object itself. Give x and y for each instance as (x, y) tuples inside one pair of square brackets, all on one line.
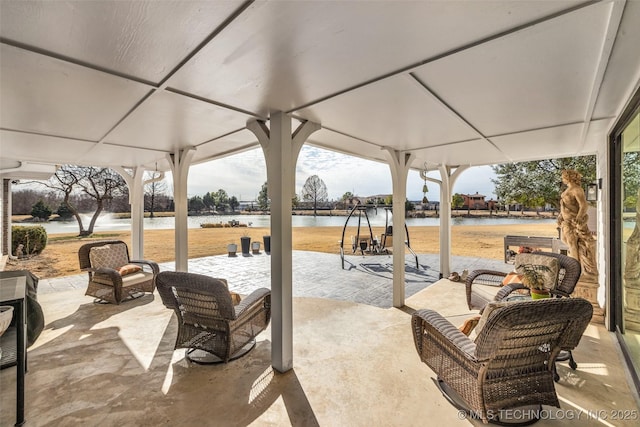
[(355, 363), (365, 279)]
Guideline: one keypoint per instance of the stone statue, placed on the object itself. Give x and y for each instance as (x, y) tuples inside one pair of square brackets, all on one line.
[(573, 223), (632, 264)]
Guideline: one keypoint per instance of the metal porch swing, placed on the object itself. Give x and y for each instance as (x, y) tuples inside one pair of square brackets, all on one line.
[(370, 244)]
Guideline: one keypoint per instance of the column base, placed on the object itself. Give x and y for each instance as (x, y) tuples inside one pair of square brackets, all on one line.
[(589, 291)]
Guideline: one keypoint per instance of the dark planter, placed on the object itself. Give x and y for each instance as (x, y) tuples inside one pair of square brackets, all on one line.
[(245, 242), (267, 243)]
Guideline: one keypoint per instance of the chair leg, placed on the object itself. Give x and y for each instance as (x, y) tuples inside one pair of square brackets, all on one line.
[(563, 356), (572, 363), (459, 403), (201, 356)]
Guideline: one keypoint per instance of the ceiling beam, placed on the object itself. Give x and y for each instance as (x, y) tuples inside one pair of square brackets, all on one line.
[(205, 42), (455, 113), (615, 17), (154, 87), (450, 52)]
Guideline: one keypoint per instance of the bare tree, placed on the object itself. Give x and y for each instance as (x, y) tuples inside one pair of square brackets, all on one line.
[(98, 184), (314, 190), (152, 191)]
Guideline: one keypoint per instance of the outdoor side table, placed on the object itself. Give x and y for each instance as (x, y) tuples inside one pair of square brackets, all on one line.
[(12, 292)]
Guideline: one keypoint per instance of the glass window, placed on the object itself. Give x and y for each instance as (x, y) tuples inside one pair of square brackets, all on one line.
[(630, 213)]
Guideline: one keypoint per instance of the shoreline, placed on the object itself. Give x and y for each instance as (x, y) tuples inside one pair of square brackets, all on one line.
[(458, 213), (60, 257)]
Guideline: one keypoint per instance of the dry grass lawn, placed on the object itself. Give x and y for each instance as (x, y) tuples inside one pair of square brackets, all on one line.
[(60, 256)]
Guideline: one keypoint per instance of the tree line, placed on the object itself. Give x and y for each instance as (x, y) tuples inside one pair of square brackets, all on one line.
[(539, 183), (77, 189), (218, 201)]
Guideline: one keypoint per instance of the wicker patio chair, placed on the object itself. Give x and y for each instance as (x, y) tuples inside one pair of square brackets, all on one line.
[(210, 327), (510, 362), (113, 277), (568, 276), (483, 286)]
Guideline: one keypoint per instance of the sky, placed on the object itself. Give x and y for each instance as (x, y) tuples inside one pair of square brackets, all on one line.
[(242, 175)]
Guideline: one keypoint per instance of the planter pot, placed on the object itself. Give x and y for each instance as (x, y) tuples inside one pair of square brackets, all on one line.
[(245, 242), (267, 243), (538, 294), (232, 248), (255, 248)]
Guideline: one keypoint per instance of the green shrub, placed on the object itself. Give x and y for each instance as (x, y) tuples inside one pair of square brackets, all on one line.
[(64, 212), (41, 211), (34, 239)]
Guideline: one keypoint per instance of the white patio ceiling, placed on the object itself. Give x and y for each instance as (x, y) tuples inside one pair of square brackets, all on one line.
[(123, 83)]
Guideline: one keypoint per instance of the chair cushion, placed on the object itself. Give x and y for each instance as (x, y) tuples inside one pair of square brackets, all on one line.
[(486, 312), (135, 278), (129, 269), (109, 256), (128, 280), (551, 276), (484, 293), (512, 278), (235, 297)]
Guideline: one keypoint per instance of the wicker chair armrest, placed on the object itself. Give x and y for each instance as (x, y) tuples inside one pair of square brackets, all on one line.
[(431, 322), (258, 297), (151, 264), (506, 290), (558, 293), (113, 275), (105, 270), (484, 277)]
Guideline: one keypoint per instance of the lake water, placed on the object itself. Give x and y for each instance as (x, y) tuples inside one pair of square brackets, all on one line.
[(108, 223)]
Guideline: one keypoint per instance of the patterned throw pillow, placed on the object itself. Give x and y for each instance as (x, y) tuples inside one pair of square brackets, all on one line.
[(551, 276), (109, 256), (129, 269)]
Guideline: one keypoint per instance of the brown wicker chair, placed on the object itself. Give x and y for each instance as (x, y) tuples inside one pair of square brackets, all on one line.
[(113, 277), (483, 286), (510, 363), (568, 277), (210, 327)]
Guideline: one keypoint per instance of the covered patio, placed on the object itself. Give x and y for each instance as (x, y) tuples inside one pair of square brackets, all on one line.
[(436, 87)]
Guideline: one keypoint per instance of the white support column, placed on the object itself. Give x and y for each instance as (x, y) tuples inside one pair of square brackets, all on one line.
[(6, 218), (136, 200), (180, 162), (445, 221), (448, 178), (281, 150), (399, 163)]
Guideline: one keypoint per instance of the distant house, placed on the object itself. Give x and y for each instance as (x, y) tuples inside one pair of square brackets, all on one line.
[(474, 201)]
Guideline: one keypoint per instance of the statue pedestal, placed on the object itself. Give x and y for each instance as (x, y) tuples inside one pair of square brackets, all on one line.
[(632, 308), (589, 291)]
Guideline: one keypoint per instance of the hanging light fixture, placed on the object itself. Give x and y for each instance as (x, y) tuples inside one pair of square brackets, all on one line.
[(425, 189)]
